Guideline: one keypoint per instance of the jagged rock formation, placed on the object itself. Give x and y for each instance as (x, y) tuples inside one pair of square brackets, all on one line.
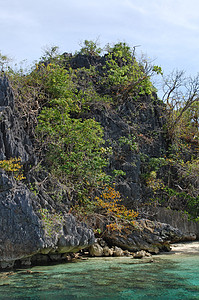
[(22, 232), (134, 128), (26, 236), (151, 236), (140, 119), (178, 219), (143, 119)]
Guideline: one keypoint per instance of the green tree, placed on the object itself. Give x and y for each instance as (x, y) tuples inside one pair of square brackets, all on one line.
[(4, 61), (75, 153), (124, 75), (89, 47)]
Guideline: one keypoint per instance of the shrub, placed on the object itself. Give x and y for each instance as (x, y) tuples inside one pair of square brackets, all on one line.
[(109, 202), (75, 153), (13, 167)]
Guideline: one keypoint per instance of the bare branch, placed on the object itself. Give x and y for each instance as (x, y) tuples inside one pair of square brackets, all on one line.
[(180, 93)]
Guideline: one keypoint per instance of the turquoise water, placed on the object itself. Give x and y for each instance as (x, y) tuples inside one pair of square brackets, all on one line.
[(168, 277)]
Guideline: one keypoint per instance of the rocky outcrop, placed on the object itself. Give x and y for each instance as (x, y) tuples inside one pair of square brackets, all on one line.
[(34, 227), (24, 234), (178, 219), (100, 248), (151, 236), (30, 226), (133, 127), (135, 132)]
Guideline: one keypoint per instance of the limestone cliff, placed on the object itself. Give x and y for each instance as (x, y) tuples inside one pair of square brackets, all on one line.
[(36, 227), (23, 233)]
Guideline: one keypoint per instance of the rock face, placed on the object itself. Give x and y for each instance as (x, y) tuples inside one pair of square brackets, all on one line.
[(134, 128), (34, 227), (189, 229), (134, 131), (151, 236), (23, 233)]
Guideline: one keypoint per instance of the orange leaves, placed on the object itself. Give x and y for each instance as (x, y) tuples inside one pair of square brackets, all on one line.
[(113, 226), (109, 201), (111, 194)]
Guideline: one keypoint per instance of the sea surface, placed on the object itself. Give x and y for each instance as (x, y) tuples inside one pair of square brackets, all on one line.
[(171, 276)]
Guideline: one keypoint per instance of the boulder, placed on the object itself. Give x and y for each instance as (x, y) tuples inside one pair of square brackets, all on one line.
[(118, 251), (140, 254), (107, 251), (151, 236), (96, 250)]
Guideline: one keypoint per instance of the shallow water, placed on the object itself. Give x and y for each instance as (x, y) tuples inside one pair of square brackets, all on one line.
[(173, 276)]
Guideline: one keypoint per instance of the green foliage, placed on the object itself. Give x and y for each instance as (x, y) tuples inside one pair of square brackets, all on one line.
[(52, 222), (75, 153), (89, 47), (193, 208), (87, 83), (157, 70), (75, 146), (117, 173), (124, 74), (192, 202), (4, 62), (33, 188), (178, 187), (131, 141), (155, 163)]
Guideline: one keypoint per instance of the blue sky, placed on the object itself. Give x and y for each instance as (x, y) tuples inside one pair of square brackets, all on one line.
[(166, 30)]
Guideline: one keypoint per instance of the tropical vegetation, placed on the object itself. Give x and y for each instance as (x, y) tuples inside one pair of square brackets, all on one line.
[(56, 99)]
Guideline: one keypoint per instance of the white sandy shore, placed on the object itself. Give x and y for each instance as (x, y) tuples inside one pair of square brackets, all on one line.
[(185, 248)]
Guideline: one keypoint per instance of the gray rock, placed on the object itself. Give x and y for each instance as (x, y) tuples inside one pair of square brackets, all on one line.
[(6, 264), (22, 232), (6, 95), (151, 236), (26, 261), (178, 219)]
